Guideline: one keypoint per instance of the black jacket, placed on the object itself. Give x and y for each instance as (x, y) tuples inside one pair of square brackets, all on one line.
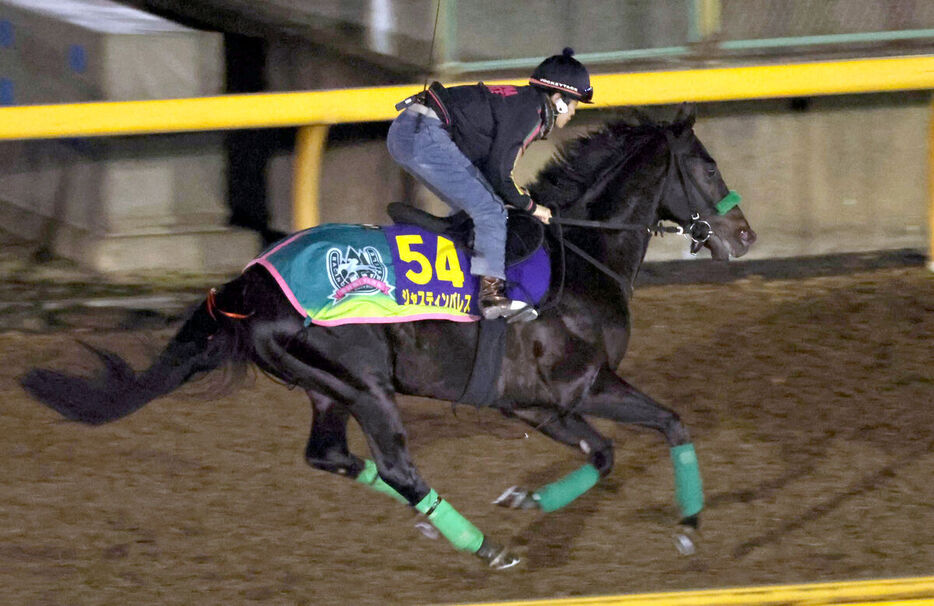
[(493, 125)]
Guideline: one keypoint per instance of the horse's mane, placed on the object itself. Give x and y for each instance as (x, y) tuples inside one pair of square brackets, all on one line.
[(579, 163)]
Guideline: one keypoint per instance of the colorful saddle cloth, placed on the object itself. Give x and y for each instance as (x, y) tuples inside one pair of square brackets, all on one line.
[(337, 274)]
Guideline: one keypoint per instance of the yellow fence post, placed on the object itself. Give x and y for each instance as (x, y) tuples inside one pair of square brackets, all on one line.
[(931, 188), (306, 175), (705, 21), (710, 18)]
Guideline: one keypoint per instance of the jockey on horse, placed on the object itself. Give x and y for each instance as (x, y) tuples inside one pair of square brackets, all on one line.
[(463, 143)]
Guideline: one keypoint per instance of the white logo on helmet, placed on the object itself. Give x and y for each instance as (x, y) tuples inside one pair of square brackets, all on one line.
[(558, 84)]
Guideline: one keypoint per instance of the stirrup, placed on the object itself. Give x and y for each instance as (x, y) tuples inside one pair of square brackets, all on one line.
[(527, 314), (508, 309)]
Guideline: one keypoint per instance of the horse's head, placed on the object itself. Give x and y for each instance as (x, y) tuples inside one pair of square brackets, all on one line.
[(631, 174), (697, 198)]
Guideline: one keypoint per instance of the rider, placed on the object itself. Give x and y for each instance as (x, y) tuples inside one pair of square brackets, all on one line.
[(463, 143)]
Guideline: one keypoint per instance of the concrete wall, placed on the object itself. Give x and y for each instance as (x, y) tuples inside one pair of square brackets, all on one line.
[(847, 174), (357, 171), (821, 175), (590, 26), (831, 174), (825, 175), (115, 204), (401, 30)]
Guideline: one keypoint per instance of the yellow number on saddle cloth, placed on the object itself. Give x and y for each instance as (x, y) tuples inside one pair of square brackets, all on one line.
[(447, 266), (406, 254)]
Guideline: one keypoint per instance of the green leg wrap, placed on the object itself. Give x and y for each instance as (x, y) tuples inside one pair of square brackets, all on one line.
[(456, 528), (558, 494), (370, 477), (689, 490)]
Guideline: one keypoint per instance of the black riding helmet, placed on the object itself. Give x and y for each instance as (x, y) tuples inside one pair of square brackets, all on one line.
[(563, 74)]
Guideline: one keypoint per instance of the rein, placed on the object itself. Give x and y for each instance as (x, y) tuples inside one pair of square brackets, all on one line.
[(652, 229), (602, 182), (698, 230)]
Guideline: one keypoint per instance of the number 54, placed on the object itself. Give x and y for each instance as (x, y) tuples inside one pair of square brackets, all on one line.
[(447, 267)]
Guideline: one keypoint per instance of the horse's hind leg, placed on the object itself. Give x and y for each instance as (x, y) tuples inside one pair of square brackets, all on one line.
[(327, 446), (393, 473), (348, 371), (570, 429), (613, 398)]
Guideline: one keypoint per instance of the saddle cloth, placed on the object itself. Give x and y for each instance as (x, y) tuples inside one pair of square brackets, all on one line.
[(338, 274)]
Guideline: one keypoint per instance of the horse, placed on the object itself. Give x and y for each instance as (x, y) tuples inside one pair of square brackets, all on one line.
[(609, 190)]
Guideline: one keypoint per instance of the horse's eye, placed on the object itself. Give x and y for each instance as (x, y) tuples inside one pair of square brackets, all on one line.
[(711, 171)]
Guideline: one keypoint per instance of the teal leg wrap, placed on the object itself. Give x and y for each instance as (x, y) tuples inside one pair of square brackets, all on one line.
[(370, 477), (558, 494), (689, 490), (456, 528)]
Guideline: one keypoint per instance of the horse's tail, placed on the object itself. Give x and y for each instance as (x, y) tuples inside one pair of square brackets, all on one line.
[(208, 339)]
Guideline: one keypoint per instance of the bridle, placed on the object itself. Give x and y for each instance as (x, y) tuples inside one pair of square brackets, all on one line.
[(698, 230)]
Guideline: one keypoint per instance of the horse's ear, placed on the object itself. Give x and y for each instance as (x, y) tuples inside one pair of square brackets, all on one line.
[(684, 119)]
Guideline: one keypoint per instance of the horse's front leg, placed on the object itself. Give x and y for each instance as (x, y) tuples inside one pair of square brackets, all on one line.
[(570, 429), (613, 398)]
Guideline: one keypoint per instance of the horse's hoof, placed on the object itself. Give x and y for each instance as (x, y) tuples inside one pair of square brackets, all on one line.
[(684, 544), (496, 556), (427, 530), (685, 540), (516, 498), (504, 560)]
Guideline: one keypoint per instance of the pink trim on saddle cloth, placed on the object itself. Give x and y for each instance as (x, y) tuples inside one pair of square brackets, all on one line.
[(280, 280), (395, 319), (288, 240), (284, 286), (275, 274), (340, 321)]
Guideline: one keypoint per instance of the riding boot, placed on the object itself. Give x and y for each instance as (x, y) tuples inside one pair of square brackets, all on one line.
[(494, 303)]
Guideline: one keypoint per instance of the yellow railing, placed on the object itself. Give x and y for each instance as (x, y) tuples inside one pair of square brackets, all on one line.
[(371, 104), (314, 111), (894, 592)]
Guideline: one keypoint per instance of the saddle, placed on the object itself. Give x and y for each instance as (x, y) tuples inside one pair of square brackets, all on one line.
[(524, 233)]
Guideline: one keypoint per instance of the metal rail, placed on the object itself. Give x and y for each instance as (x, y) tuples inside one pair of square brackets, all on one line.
[(373, 104), (901, 592)]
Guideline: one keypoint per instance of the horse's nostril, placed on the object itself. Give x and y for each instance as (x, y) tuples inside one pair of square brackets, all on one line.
[(747, 236)]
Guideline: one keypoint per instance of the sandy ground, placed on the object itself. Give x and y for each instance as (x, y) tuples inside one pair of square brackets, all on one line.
[(809, 399)]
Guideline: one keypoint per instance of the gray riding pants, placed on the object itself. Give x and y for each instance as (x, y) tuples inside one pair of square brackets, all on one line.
[(422, 146)]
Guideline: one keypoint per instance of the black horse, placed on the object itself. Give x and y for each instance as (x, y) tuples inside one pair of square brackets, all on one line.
[(610, 188)]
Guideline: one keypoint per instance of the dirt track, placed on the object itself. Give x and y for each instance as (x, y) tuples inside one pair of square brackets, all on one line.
[(809, 401)]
